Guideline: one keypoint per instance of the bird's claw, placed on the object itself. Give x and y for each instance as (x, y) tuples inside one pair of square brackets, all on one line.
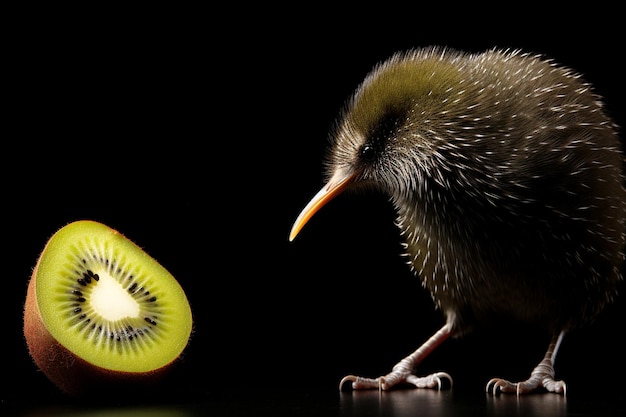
[(498, 385), (383, 383)]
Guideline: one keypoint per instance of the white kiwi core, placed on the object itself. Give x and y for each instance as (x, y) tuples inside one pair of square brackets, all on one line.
[(108, 289)]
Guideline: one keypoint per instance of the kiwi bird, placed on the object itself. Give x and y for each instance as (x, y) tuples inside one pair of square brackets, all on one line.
[(506, 174)]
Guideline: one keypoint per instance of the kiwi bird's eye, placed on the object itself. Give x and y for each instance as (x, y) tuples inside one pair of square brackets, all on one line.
[(368, 153)]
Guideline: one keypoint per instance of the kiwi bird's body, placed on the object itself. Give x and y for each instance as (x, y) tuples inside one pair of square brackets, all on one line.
[(506, 174), (100, 314)]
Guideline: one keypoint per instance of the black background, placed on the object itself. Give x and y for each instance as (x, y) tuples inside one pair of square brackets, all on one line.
[(199, 134)]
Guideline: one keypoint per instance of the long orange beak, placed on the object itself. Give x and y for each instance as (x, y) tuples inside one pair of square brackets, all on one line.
[(333, 188)]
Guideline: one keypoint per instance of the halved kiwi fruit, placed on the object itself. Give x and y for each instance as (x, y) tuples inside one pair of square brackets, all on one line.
[(100, 312)]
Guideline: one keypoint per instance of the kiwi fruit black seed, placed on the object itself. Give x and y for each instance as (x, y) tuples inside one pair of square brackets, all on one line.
[(101, 313)]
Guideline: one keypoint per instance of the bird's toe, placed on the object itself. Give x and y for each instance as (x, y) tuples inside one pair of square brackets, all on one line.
[(439, 380), (357, 383), (558, 387)]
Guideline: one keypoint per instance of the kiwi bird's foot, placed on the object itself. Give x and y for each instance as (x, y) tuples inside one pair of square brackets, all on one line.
[(402, 372), (395, 378), (542, 377)]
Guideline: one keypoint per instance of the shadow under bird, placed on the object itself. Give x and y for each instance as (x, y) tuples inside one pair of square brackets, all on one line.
[(506, 174)]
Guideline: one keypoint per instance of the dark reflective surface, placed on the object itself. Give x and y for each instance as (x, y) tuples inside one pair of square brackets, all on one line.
[(181, 411)]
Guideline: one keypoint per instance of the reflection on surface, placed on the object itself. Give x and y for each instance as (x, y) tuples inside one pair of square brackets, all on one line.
[(110, 412), (528, 405), (425, 402), (401, 402)]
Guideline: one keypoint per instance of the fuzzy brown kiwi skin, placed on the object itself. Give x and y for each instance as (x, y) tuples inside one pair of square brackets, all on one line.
[(68, 372)]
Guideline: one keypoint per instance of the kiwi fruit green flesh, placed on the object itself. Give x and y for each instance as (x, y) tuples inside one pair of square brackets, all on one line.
[(100, 313)]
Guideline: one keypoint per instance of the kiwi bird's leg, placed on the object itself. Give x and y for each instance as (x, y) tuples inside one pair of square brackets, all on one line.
[(541, 377), (402, 372)]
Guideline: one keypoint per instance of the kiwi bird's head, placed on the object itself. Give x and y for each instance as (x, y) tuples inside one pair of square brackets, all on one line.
[(388, 134)]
